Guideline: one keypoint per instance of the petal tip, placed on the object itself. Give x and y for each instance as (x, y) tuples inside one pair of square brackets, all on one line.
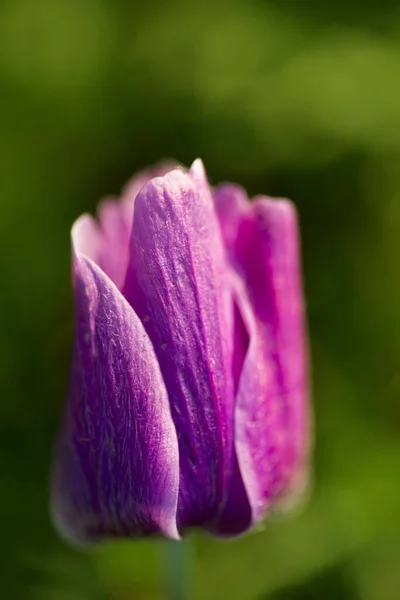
[(86, 237), (281, 207), (198, 171)]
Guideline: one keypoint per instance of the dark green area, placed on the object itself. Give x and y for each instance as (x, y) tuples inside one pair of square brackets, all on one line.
[(290, 98)]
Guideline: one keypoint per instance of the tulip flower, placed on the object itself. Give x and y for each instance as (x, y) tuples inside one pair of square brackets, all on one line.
[(188, 398)]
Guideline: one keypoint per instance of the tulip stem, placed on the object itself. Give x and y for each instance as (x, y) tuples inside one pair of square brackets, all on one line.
[(176, 563)]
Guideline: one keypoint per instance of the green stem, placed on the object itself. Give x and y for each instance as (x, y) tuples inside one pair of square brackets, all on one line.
[(176, 570)]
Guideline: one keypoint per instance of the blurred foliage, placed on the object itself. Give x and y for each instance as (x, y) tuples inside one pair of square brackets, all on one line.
[(329, 585), (293, 98)]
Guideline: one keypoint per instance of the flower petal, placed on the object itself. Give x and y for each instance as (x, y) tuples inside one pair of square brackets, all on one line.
[(139, 180), (115, 225), (236, 516), (87, 238), (177, 283), (117, 467), (271, 430), (106, 240)]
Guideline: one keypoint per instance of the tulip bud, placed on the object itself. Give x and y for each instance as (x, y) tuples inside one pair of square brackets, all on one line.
[(188, 398)]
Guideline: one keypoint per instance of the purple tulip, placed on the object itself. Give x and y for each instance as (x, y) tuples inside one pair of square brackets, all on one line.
[(188, 393)]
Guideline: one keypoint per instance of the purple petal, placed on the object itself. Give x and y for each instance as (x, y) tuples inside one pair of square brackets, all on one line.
[(115, 225), (178, 284), (236, 515), (139, 180), (106, 241), (87, 238), (271, 430), (117, 466), (232, 206)]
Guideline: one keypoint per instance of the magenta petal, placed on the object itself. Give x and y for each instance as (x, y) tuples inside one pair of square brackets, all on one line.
[(232, 205), (105, 241), (236, 516), (178, 284), (87, 238), (116, 228), (135, 184), (116, 471), (271, 433)]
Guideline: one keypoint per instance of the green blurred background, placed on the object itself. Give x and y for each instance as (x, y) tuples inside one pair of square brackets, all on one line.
[(290, 98)]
